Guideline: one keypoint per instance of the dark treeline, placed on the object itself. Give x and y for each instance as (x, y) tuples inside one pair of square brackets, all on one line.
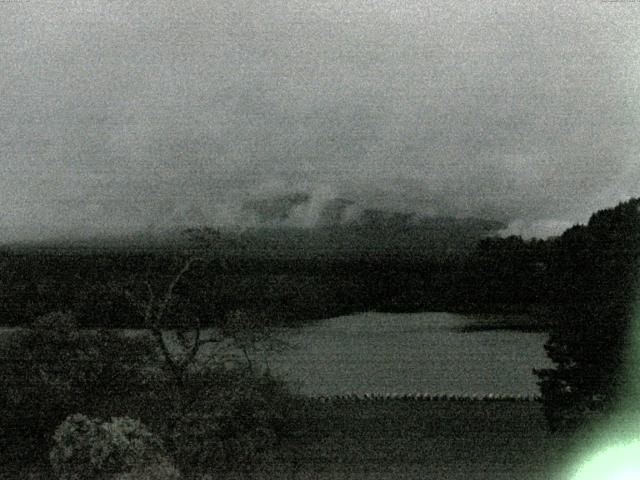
[(587, 263), (284, 290), (594, 274)]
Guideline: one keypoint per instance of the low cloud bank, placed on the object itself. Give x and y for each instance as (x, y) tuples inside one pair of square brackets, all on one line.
[(535, 229)]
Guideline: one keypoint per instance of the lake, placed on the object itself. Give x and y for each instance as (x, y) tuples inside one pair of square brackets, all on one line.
[(389, 353), (410, 353)]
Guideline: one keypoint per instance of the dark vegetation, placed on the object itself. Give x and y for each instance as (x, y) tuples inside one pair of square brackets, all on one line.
[(293, 276), (205, 415), (287, 275), (580, 284), (408, 440), (596, 272), (178, 397)]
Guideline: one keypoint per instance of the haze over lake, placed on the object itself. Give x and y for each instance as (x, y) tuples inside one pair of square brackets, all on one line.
[(410, 353)]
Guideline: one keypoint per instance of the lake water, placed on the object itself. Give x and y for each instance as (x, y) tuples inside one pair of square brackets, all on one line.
[(388, 353), (410, 353)]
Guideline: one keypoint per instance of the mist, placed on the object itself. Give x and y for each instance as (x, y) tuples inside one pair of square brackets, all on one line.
[(124, 116)]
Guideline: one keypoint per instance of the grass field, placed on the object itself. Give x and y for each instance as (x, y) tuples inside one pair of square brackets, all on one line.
[(403, 439), (410, 439)]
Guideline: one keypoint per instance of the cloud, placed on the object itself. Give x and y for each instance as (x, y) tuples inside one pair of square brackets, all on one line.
[(117, 113), (535, 229)]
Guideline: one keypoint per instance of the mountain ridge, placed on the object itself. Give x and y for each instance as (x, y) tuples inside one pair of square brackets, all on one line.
[(377, 232)]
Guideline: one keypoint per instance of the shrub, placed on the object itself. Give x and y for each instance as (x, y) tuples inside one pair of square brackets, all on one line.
[(588, 348), (163, 470), (74, 453), (87, 448), (52, 369), (232, 418), (211, 416)]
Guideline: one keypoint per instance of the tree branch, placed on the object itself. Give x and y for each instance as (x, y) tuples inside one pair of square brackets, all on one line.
[(168, 296), (151, 299), (173, 365)]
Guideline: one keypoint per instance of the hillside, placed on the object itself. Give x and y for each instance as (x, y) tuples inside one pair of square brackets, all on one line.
[(378, 233)]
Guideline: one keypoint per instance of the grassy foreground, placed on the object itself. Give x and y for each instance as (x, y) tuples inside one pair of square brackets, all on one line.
[(408, 439), (405, 439)]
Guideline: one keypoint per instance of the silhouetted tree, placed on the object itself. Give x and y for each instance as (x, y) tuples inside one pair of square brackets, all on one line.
[(597, 267)]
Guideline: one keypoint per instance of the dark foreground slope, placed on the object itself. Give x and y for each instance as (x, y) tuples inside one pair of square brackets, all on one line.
[(399, 439), (437, 440)]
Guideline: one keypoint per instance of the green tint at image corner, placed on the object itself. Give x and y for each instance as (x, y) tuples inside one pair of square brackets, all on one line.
[(617, 456), (620, 462)]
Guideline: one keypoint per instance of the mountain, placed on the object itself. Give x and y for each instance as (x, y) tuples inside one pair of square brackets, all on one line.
[(301, 225)]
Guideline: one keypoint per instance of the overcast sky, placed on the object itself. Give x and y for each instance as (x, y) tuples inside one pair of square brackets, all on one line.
[(116, 114)]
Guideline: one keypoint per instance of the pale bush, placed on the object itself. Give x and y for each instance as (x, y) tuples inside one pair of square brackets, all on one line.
[(74, 455), (162, 470), (87, 448)]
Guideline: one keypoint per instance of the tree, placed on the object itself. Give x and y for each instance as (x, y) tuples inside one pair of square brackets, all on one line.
[(52, 369), (169, 375), (155, 310), (598, 268), (185, 340), (208, 414), (252, 335)]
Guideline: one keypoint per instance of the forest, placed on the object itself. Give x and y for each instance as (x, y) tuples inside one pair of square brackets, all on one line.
[(587, 263), (169, 413)]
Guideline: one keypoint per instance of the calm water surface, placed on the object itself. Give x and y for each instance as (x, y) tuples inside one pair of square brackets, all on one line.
[(407, 353), (410, 353)]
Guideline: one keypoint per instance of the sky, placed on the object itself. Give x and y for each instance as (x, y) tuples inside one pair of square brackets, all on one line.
[(120, 115)]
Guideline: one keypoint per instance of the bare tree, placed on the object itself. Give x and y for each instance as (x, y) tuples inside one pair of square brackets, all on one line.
[(252, 335), (182, 347), (154, 307)]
